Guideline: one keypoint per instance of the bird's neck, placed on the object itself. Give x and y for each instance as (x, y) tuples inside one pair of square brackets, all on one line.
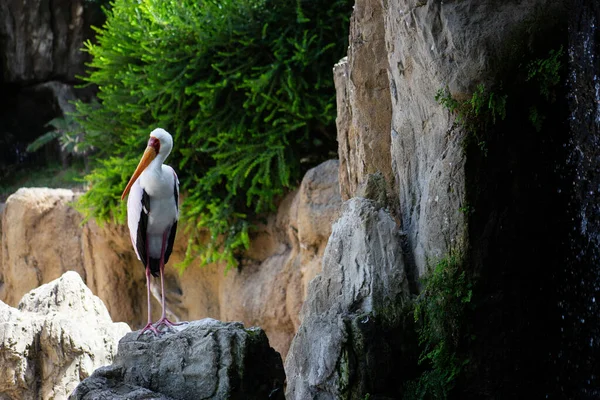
[(156, 164)]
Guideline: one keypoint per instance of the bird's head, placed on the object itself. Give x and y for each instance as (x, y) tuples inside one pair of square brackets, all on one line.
[(159, 146)]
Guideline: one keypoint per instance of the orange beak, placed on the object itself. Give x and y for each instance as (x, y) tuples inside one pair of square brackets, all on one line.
[(149, 155)]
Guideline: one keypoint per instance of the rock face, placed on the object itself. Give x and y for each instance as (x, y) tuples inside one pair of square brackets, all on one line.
[(362, 288), (40, 242), (389, 83), (389, 120), (267, 290), (204, 359), (42, 40), (40, 59), (364, 108), (58, 336), (401, 148)]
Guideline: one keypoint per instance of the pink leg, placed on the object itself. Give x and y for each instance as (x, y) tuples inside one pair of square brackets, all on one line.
[(163, 319), (149, 326)]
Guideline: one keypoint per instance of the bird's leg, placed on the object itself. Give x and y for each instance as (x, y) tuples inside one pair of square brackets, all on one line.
[(163, 319), (149, 326)]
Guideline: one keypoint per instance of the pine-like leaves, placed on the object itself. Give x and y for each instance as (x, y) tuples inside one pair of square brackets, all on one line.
[(246, 89)]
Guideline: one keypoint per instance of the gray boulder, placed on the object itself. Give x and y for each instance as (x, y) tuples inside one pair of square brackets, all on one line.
[(350, 338), (205, 359)]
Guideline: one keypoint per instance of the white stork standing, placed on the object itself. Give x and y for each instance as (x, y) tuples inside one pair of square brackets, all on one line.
[(152, 213)]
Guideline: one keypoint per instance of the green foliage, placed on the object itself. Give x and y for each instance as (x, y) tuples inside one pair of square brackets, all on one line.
[(440, 314), (245, 88), (43, 140), (51, 176), (68, 133), (546, 74), (477, 113), (105, 181), (467, 209), (536, 118)]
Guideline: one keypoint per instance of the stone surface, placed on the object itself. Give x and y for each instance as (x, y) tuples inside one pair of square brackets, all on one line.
[(267, 290), (430, 46), (205, 359), (363, 101), (400, 54), (41, 56), (42, 40), (41, 240), (363, 287), (58, 336)]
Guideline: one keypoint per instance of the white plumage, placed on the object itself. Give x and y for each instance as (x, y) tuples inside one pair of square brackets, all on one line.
[(153, 211)]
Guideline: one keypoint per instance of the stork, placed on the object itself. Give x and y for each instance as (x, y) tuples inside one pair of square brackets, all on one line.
[(152, 214)]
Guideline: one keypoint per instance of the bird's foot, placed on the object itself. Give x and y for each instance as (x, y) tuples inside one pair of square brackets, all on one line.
[(164, 321), (149, 328)]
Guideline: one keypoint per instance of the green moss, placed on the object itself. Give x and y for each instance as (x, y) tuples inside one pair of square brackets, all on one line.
[(440, 316), (344, 370), (374, 187)]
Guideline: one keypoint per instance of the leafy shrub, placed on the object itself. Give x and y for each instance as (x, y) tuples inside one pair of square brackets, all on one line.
[(245, 88), (68, 134), (477, 113), (440, 314), (546, 74)]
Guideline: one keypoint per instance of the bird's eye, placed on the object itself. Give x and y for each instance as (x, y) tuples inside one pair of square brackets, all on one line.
[(155, 143)]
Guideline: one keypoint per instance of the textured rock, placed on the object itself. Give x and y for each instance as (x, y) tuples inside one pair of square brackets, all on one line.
[(432, 45), (42, 39), (58, 336), (40, 58), (389, 122), (363, 101), (267, 290), (400, 54), (41, 240), (363, 287), (205, 359)]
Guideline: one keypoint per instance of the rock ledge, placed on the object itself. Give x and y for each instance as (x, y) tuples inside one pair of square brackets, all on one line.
[(205, 359)]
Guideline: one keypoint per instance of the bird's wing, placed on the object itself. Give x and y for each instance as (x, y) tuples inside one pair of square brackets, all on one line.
[(173, 232), (138, 207)]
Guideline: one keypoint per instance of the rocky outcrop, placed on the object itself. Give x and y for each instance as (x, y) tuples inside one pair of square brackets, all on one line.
[(405, 151), (397, 60), (40, 242), (59, 334), (204, 359), (40, 58), (364, 108), (362, 289), (43, 40), (401, 53), (267, 290)]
